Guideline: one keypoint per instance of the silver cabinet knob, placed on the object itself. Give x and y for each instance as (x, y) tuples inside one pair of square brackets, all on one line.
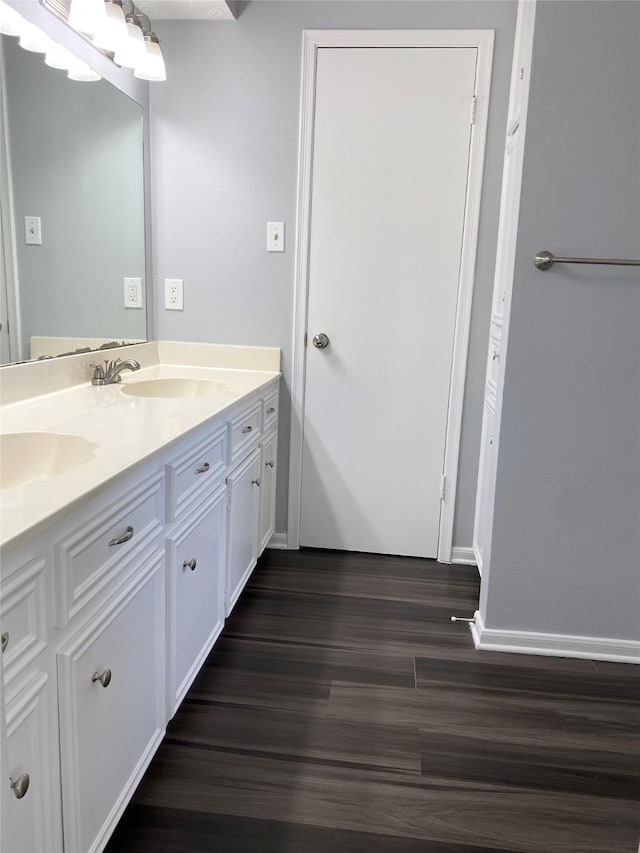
[(247, 429), (269, 464), (20, 786), (255, 482), (103, 677), (320, 341), (203, 468), (4, 637), (190, 564)]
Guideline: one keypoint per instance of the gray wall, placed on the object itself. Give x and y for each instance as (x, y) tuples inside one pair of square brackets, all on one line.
[(76, 162), (566, 542), (224, 161)]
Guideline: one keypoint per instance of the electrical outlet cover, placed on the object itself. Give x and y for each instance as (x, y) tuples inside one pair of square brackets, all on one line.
[(173, 294)]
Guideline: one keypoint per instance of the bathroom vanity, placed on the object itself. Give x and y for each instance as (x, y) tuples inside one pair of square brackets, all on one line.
[(121, 558)]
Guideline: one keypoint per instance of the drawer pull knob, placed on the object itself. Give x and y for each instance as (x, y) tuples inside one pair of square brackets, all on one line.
[(124, 538), (203, 468), (247, 429), (255, 482), (270, 410), (103, 677), (495, 356), (4, 638), (190, 564), (20, 786), (269, 464)]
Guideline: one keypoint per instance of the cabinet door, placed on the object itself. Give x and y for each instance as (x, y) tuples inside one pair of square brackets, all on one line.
[(196, 571), (242, 541), (269, 452), (112, 706), (30, 775)]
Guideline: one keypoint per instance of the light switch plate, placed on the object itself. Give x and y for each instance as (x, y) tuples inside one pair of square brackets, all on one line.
[(32, 231), (133, 293), (174, 294), (275, 236)]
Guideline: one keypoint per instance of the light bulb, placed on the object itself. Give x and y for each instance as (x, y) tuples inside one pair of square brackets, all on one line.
[(34, 39), (131, 52), (59, 57), (85, 15), (11, 23), (111, 31), (152, 66), (80, 71)]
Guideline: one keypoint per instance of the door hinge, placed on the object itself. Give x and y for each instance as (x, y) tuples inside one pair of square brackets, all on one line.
[(443, 486), (474, 102)]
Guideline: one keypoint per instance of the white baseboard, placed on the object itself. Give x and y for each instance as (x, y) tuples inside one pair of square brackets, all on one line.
[(279, 541), (555, 645), (464, 556)]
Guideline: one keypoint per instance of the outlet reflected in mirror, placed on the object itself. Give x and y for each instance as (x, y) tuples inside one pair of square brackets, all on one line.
[(71, 168)]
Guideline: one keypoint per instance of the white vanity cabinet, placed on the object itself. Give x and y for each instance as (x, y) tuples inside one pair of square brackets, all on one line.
[(268, 473), (30, 815), (112, 706), (107, 614), (195, 578), (243, 497)]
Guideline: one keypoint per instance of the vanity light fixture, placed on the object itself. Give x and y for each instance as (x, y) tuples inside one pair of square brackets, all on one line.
[(111, 30), (11, 23), (117, 28), (85, 15), (152, 67), (132, 50), (32, 38)]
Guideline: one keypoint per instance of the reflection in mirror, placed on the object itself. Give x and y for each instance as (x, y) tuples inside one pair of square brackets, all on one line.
[(71, 211)]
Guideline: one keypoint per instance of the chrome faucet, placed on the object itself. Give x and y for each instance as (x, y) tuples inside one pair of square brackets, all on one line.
[(110, 373)]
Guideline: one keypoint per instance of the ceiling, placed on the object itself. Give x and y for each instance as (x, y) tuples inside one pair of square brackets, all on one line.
[(182, 10)]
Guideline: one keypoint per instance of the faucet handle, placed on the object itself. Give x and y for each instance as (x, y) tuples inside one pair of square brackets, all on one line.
[(98, 374)]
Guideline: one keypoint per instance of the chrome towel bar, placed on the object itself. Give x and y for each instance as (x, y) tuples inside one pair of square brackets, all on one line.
[(545, 260)]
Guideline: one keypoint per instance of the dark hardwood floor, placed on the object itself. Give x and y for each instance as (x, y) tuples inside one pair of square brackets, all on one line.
[(341, 710)]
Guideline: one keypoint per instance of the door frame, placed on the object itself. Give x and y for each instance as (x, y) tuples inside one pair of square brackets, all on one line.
[(312, 40)]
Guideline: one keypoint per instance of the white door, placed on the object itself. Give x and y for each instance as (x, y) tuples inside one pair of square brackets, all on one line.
[(391, 143)]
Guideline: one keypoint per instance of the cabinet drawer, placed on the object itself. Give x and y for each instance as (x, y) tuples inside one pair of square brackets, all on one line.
[(270, 413), (196, 472), (112, 706), (31, 813), (23, 618), (245, 432), (107, 545), (196, 573)]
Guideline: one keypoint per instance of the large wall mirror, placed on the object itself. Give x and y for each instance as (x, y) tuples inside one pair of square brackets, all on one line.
[(71, 163)]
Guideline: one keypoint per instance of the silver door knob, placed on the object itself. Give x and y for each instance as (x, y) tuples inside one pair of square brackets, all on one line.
[(320, 341), (103, 677), (20, 786)]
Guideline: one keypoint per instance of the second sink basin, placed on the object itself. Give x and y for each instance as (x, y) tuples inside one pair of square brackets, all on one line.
[(173, 387), (29, 456)]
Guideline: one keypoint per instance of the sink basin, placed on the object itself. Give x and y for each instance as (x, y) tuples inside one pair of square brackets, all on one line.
[(173, 387), (29, 456)]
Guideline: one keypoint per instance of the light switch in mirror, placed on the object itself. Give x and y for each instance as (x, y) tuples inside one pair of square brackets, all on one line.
[(71, 156)]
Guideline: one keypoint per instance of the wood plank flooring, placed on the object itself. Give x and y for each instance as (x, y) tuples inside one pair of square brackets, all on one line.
[(341, 710)]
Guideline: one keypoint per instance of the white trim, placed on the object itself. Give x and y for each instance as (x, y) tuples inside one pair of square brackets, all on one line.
[(463, 556), (504, 271), (8, 242), (477, 554), (555, 645), (279, 541), (312, 40)]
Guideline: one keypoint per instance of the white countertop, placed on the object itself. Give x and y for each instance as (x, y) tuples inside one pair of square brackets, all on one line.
[(126, 429)]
